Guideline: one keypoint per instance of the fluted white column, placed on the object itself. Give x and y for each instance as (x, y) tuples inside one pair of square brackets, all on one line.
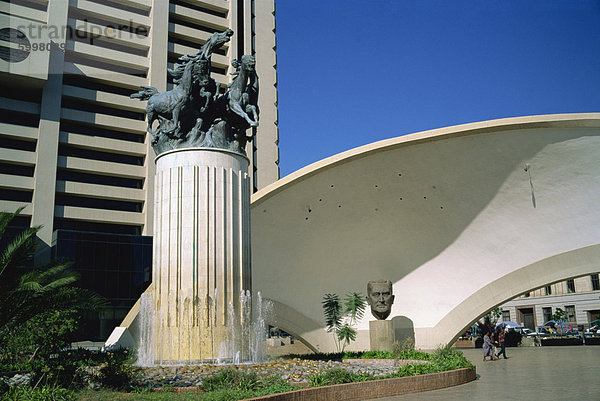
[(201, 251)]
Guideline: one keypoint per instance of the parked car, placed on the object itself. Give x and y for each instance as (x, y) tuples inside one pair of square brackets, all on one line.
[(526, 332), (543, 332), (593, 330)]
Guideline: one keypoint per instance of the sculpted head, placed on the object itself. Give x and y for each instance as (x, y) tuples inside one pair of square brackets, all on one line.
[(380, 298), (220, 38), (248, 62)]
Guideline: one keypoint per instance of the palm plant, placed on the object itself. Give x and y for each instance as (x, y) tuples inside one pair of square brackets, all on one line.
[(19, 249), (355, 306), (332, 308), (40, 308), (341, 317)]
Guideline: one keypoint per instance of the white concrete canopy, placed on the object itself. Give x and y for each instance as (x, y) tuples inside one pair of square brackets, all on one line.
[(460, 219)]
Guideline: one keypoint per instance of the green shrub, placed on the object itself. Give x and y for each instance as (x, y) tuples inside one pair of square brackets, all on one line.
[(273, 385), (397, 354), (415, 369), (231, 379), (114, 368), (408, 345), (414, 355), (369, 355), (444, 358), (449, 359), (337, 376), (44, 393), (117, 371)]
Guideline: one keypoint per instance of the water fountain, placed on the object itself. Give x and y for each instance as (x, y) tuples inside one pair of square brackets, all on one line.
[(243, 341), (200, 307)]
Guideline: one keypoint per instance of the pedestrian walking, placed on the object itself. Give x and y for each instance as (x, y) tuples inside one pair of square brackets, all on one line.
[(488, 349), (501, 336)]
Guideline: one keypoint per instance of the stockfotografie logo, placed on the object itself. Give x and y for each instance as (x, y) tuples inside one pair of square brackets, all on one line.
[(14, 45)]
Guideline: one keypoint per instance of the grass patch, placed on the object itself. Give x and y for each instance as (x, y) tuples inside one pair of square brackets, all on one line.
[(231, 384), (111, 395), (44, 393)]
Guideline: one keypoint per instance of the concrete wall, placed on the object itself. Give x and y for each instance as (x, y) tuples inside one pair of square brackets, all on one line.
[(461, 219)]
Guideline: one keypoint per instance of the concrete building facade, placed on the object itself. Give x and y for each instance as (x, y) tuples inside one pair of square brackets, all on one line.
[(73, 145), (578, 297)]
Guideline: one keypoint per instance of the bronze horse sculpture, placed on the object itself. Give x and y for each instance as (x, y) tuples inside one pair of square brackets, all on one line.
[(238, 95), (193, 114), (167, 106)]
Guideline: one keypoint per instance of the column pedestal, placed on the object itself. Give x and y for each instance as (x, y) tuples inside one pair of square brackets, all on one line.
[(201, 264), (381, 333)]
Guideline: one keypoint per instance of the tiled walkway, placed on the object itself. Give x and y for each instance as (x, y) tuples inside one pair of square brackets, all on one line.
[(530, 373)]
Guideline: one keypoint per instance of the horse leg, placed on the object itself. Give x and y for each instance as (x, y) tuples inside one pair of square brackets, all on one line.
[(151, 117), (252, 108), (237, 109), (207, 96), (176, 124)]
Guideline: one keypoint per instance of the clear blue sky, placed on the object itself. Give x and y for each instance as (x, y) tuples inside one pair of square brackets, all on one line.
[(351, 72)]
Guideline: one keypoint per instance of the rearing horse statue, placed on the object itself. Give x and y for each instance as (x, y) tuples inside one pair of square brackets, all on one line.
[(236, 96), (194, 114), (168, 105)]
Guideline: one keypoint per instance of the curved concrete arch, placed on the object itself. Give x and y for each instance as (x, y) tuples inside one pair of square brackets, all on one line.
[(441, 213), (581, 262), (293, 322)]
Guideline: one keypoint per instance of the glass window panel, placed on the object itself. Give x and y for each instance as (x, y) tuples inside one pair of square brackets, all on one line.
[(595, 282)]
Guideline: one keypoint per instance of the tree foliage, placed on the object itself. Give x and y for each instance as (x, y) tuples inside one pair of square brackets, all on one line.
[(40, 309), (559, 315), (492, 316)]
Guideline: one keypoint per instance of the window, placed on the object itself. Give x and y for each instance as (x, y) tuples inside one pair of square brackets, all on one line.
[(117, 266), (527, 295), (570, 309), (548, 290), (570, 286), (547, 312), (506, 316), (595, 282)]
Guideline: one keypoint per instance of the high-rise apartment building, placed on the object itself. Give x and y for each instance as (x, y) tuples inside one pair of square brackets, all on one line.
[(73, 145)]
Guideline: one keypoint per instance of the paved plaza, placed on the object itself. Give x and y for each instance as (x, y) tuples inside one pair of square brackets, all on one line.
[(530, 373)]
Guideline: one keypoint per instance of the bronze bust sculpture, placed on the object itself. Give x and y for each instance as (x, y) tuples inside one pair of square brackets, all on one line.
[(380, 298)]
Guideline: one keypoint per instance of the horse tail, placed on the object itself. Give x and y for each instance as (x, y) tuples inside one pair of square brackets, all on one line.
[(145, 94)]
